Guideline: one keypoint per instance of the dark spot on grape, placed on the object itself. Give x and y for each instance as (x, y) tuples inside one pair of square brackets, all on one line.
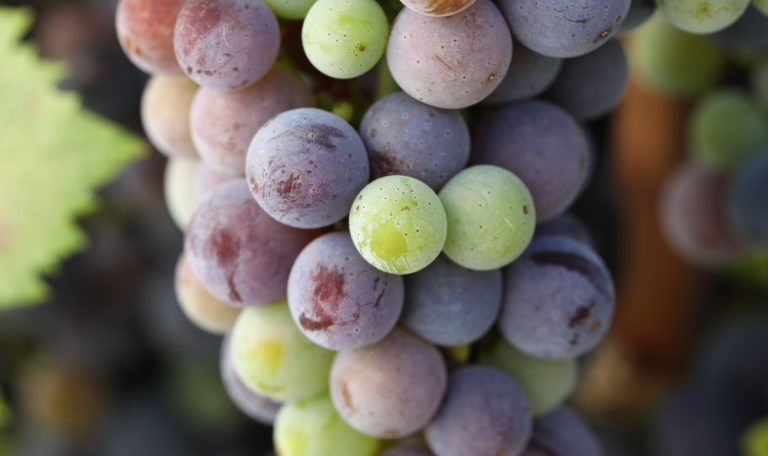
[(525, 210), (225, 247), (285, 187), (316, 133), (581, 314), (347, 397), (328, 289)]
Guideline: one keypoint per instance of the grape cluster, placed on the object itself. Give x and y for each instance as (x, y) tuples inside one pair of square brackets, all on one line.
[(405, 276)]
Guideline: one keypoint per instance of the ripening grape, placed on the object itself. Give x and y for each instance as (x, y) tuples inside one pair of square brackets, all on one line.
[(398, 224), (344, 38), (207, 180), (529, 75), (179, 189), (390, 389), (491, 217), (226, 44), (702, 16), (562, 433), (437, 8), (485, 413), (274, 359), (564, 28), (305, 166), (312, 427), (145, 32), (337, 299), (205, 311), (290, 9), (223, 122), (165, 107), (437, 60)]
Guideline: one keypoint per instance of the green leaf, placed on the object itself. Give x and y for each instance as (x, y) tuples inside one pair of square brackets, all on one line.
[(53, 156)]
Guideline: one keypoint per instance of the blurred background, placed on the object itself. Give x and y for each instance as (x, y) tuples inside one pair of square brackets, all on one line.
[(109, 365)]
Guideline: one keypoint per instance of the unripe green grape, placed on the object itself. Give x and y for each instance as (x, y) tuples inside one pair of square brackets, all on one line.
[(290, 9), (702, 16), (345, 38), (491, 217), (313, 427), (398, 224), (762, 5), (274, 359)]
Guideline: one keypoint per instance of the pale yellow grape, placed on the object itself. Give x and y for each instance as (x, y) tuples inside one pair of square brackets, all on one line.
[(202, 309), (180, 188)]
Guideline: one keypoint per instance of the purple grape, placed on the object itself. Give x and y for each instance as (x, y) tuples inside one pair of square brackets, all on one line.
[(208, 179), (337, 299), (226, 44), (409, 138), (639, 12), (305, 167), (145, 32), (223, 123), (558, 300), (529, 75), (562, 433), (564, 28), (257, 407), (449, 305), (485, 413), (390, 389), (541, 144), (450, 62), (412, 449), (566, 225), (239, 253), (747, 33), (591, 85), (747, 205)]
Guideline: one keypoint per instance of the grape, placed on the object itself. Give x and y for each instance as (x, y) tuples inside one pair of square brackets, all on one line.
[(241, 255), (491, 217), (290, 9), (562, 433), (312, 427), (226, 44), (409, 138), (389, 389), (407, 450), (590, 86), (542, 145), (446, 304), (693, 217), (702, 16), (485, 413), (344, 38), (673, 61), (564, 28), (398, 224), (726, 127), (145, 31), (179, 188), (223, 122), (529, 75), (450, 62), (337, 299), (747, 33), (205, 311), (639, 12), (274, 359), (165, 108), (305, 166), (547, 383), (207, 180), (558, 301), (747, 207), (256, 407), (437, 8), (566, 225)]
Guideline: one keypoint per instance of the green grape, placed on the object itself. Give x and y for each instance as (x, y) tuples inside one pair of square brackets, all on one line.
[(726, 127), (345, 38), (398, 224), (290, 9), (702, 16), (274, 358), (180, 187), (547, 384), (313, 427), (491, 217), (762, 5), (673, 61), (755, 438)]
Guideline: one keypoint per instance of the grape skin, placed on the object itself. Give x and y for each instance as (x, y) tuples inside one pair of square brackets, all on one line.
[(702, 16), (403, 136), (485, 413), (305, 166), (639, 12), (337, 299), (390, 389), (529, 75), (226, 44), (437, 8), (566, 225), (450, 62), (145, 32), (165, 107), (562, 433), (290, 9), (241, 255), (207, 180), (747, 208), (179, 190), (205, 311), (223, 123)]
